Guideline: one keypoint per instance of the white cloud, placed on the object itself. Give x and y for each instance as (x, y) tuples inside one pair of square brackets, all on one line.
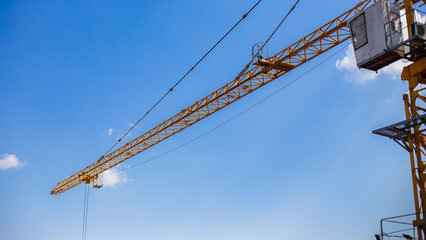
[(361, 76), (111, 178), (112, 132), (10, 161)]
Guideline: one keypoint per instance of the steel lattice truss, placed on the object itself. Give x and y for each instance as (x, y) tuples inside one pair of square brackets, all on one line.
[(415, 108), (263, 72)]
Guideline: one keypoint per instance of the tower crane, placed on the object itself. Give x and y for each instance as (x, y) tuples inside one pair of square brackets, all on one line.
[(410, 133)]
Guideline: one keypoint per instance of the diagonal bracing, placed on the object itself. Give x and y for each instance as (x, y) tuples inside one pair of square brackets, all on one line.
[(314, 44)]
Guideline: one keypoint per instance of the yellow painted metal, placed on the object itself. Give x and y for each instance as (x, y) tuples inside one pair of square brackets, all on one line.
[(414, 103), (312, 45), (415, 74)]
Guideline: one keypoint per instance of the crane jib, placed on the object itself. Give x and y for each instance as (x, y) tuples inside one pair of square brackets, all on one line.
[(263, 71)]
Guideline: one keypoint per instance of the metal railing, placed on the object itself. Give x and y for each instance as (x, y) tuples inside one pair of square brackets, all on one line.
[(398, 27), (398, 227)]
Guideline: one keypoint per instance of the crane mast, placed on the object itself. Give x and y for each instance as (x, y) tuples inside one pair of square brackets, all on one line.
[(410, 133), (414, 102), (262, 72)]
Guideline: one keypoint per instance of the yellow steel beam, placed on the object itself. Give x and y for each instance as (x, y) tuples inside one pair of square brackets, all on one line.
[(415, 75), (307, 48)]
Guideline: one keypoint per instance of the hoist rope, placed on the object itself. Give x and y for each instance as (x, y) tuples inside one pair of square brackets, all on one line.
[(85, 211)]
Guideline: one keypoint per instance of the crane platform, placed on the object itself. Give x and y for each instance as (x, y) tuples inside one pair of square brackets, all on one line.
[(399, 131)]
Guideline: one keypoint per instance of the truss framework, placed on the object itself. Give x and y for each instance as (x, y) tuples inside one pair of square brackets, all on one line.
[(314, 44), (415, 75), (400, 131), (411, 135)]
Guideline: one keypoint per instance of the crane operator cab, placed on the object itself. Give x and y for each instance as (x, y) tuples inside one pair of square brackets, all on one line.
[(380, 35)]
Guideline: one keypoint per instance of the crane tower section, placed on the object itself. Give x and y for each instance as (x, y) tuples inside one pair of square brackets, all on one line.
[(382, 34)]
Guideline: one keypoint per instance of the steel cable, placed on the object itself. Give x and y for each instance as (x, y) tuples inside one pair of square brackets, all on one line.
[(180, 80), (232, 118)]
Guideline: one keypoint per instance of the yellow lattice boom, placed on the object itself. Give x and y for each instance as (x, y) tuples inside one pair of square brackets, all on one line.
[(263, 72)]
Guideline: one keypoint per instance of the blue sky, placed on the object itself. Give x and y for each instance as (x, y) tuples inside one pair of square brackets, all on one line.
[(75, 74)]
